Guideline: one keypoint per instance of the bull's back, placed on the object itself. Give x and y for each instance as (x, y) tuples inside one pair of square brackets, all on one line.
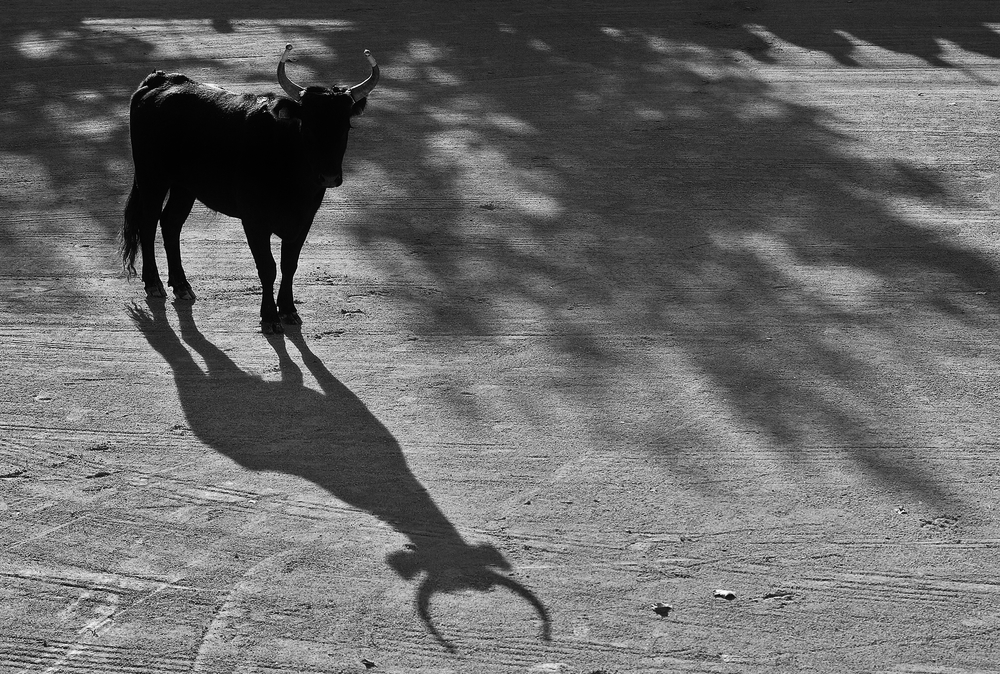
[(189, 134)]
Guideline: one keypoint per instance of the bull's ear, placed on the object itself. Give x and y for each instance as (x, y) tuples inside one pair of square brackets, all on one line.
[(359, 107), (286, 110)]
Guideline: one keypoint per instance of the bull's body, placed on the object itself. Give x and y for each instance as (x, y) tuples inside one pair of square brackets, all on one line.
[(228, 151), (265, 159)]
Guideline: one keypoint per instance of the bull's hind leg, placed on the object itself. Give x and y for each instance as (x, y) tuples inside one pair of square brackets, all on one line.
[(147, 213), (171, 220)]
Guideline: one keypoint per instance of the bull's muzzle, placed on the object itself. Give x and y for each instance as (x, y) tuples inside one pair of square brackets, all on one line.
[(331, 180)]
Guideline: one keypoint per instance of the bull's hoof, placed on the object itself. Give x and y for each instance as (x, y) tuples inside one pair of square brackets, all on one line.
[(183, 292), (271, 327), (155, 291), (291, 318)]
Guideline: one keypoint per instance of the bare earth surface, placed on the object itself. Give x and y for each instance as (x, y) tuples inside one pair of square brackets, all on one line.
[(621, 303)]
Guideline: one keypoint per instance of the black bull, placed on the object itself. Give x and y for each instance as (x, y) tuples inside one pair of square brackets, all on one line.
[(265, 159)]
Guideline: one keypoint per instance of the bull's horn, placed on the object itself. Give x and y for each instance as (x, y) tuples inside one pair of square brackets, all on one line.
[(359, 91), (291, 88)]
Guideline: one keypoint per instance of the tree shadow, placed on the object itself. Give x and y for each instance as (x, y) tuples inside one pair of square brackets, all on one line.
[(640, 181), (917, 28), (330, 438), (655, 188)]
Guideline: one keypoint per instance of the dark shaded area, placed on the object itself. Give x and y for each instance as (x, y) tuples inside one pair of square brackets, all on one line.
[(687, 201), (63, 64), (331, 439), (914, 28), (728, 202)]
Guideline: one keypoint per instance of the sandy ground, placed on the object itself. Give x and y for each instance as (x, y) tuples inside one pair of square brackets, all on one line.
[(621, 304)]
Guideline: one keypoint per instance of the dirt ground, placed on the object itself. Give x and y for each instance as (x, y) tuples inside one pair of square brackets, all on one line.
[(621, 304)]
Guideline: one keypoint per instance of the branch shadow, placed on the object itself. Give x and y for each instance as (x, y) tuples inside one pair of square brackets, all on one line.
[(649, 185), (330, 438), (663, 190), (916, 28)]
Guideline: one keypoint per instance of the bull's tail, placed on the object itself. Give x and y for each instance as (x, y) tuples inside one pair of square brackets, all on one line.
[(140, 203), (129, 243)]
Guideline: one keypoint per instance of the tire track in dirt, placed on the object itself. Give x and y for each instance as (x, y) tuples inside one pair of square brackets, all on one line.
[(894, 588), (178, 492), (84, 351), (120, 584), (22, 655), (84, 438), (571, 540), (980, 544), (858, 595), (507, 651), (109, 595), (160, 491), (82, 654)]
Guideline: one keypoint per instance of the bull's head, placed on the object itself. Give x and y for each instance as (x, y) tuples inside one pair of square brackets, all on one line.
[(325, 116)]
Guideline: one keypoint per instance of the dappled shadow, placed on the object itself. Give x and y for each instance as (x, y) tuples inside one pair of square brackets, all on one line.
[(617, 178), (650, 188), (68, 72), (327, 437), (924, 28)]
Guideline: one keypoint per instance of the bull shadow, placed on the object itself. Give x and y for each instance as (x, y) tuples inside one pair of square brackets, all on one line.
[(332, 439)]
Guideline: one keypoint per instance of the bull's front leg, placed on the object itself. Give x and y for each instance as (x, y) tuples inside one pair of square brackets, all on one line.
[(290, 249), (260, 246)]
